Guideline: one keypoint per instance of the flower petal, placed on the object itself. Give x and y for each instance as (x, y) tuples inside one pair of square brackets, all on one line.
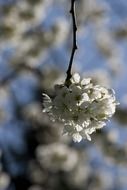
[(75, 78), (85, 81), (47, 102), (77, 137)]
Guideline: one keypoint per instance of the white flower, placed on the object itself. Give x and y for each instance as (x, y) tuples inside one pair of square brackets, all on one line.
[(77, 137), (85, 81), (82, 106), (57, 156), (75, 78), (95, 93)]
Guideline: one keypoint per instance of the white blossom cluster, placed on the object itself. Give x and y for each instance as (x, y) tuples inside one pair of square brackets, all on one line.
[(57, 156), (82, 106)]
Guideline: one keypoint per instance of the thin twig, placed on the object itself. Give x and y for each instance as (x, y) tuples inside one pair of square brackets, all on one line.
[(74, 48)]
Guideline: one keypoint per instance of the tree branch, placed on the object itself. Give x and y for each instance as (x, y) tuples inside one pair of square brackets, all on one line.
[(74, 48)]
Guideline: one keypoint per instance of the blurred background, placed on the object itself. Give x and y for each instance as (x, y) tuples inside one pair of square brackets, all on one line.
[(35, 46)]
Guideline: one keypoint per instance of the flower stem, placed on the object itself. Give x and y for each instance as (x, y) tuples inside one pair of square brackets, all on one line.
[(74, 47)]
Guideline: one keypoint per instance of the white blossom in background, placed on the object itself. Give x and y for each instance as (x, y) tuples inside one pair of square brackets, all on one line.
[(82, 106), (57, 156)]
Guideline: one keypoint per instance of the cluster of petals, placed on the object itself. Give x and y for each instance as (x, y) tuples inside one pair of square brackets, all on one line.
[(82, 106)]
